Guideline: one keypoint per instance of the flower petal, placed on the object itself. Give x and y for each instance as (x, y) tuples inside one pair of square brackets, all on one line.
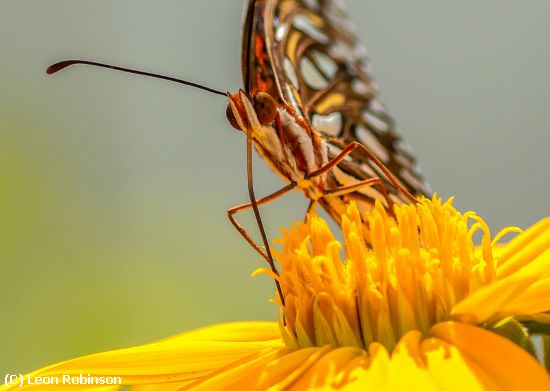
[(160, 387), (491, 299), (182, 358), (408, 370), (524, 292), (524, 248), (523, 285), (370, 372), (262, 371), (535, 299), (452, 360), (232, 331), (332, 371), (448, 368), (497, 362), (345, 368)]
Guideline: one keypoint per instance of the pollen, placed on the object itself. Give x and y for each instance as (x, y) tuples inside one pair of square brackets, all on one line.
[(391, 275)]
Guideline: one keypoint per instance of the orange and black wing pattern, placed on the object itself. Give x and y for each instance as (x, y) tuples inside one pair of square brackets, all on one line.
[(305, 54)]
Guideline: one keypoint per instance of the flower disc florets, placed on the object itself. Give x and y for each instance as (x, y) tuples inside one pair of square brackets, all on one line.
[(396, 275)]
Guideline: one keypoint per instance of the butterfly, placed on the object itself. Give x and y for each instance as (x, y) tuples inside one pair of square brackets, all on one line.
[(312, 111)]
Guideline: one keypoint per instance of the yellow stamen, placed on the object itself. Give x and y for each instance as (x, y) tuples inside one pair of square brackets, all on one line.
[(397, 275)]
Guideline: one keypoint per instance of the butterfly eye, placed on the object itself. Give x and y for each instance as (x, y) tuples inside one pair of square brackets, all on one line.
[(266, 108), (231, 118)]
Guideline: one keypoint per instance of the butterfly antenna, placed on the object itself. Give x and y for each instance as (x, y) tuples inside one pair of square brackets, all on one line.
[(64, 64)]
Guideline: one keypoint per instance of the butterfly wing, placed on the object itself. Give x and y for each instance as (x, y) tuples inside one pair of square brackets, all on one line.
[(305, 53)]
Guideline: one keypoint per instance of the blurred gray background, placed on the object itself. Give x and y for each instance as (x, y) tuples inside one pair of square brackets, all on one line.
[(113, 188)]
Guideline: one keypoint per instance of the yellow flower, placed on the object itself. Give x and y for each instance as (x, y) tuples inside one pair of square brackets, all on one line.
[(419, 307)]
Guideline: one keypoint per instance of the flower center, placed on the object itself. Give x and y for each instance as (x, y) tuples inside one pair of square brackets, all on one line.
[(397, 274)]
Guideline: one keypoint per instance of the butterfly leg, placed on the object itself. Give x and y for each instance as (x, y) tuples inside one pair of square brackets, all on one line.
[(311, 206), (357, 186), (264, 200), (360, 185), (348, 150)]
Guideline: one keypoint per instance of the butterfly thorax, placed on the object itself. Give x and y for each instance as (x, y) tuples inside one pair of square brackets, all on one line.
[(286, 142), (293, 150)]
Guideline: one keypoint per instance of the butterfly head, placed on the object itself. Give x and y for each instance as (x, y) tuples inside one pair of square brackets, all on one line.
[(246, 113)]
